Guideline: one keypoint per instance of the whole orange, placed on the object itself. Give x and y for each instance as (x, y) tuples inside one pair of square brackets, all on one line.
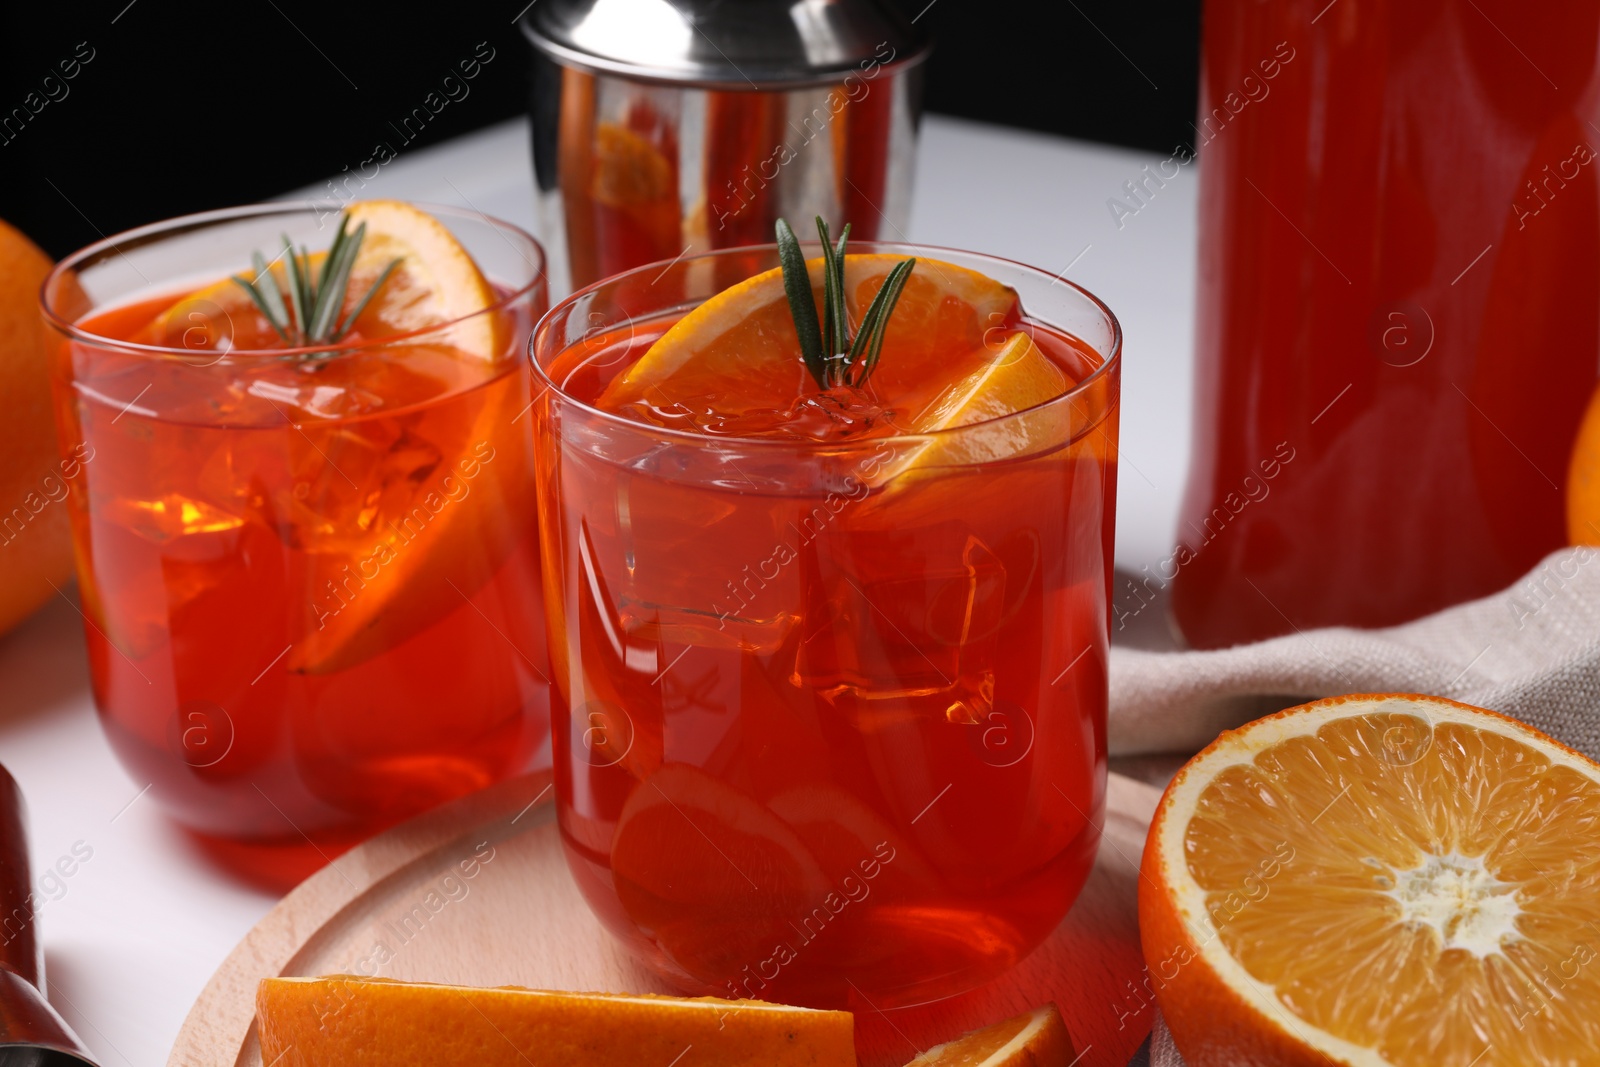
[(1583, 479), (35, 544)]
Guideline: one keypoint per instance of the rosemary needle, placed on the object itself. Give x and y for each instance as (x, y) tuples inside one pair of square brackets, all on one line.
[(829, 352), (308, 314)]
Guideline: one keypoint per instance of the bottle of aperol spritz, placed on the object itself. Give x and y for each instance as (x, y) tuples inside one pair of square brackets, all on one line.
[(827, 595), (304, 522)]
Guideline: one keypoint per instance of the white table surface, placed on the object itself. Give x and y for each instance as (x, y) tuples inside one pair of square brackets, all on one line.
[(132, 936)]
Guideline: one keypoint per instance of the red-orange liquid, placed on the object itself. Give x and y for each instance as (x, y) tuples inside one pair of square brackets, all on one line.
[(1400, 251), (823, 735), (310, 588)]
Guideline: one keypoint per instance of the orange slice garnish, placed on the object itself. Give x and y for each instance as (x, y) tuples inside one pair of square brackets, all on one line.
[(1013, 378), (955, 354), (436, 282), (341, 1020), (629, 170), (414, 552), (711, 873), (1378, 880), (1036, 1038), (737, 353)]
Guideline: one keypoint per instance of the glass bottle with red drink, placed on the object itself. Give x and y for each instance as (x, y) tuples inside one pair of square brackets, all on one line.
[(1398, 329)]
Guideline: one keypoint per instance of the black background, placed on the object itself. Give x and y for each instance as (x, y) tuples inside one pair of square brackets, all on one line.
[(188, 105)]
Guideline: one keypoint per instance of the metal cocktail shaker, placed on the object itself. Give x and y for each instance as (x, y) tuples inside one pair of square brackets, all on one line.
[(664, 128)]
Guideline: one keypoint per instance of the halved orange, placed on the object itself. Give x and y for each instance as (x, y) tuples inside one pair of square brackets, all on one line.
[(1036, 1038), (344, 1020), (1378, 880), (953, 352)]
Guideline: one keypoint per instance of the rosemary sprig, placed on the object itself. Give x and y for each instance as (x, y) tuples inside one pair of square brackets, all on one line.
[(830, 354), (310, 316)]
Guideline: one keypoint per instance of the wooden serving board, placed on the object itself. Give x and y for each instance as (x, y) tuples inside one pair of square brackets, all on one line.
[(477, 893)]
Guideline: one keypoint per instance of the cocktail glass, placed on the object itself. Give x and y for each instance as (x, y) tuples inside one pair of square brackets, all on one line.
[(828, 717), (309, 578)]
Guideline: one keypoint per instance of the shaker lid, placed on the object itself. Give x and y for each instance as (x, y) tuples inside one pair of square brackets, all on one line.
[(727, 44)]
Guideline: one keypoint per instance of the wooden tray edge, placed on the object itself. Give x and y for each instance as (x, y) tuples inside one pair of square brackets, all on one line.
[(223, 1015)]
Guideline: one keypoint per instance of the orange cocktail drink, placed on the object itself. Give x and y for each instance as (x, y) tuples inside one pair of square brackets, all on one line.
[(306, 561), (829, 664)]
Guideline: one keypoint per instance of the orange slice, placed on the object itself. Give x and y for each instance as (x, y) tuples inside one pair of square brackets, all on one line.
[(629, 170), (1036, 1038), (427, 546), (737, 353), (413, 551), (1012, 379), (711, 874), (436, 282), (1583, 479), (1378, 880), (850, 840), (342, 1020)]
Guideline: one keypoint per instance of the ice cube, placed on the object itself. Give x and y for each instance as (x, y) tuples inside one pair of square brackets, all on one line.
[(905, 645), (178, 548), (837, 414), (171, 516), (301, 396), (676, 579), (346, 476)]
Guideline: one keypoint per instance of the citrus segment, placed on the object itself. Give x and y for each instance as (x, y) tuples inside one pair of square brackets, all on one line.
[(1037, 1038), (1384, 880), (737, 353), (419, 535), (629, 170), (1017, 376), (375, 585), (436, 282), (712, 875), (218, 318), (850, 840), (1583, 479), (1014, 378), (343, 1020)]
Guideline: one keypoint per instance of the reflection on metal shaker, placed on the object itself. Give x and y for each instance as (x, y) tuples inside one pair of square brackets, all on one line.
[(664, 128)]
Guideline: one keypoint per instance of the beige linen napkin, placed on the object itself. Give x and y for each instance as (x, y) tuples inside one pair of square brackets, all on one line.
[(1531, 651)]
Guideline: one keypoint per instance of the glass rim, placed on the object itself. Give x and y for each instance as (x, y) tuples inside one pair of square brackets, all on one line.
[(199, 219), (1110, 364)]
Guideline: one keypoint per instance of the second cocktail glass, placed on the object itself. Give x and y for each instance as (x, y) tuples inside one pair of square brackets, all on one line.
[(829, 715)]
